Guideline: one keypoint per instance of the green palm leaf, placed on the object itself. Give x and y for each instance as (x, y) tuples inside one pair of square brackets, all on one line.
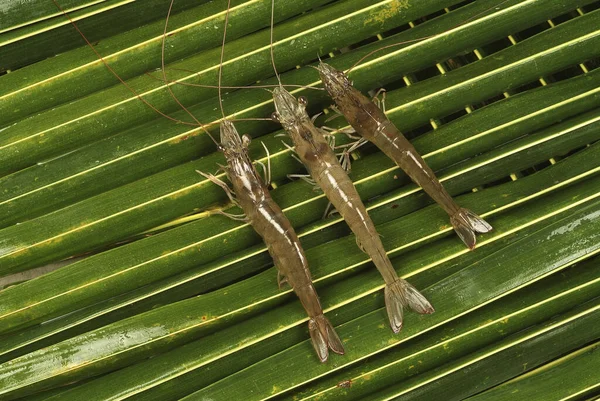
[(172, 302)]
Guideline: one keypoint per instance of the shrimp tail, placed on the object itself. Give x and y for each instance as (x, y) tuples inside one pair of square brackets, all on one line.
[(324, 337), (400, 294), (466, 224)]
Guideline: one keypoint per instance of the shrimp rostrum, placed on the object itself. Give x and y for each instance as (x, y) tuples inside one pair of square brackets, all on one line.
[(322, 164), (371, 123), (266, 217)]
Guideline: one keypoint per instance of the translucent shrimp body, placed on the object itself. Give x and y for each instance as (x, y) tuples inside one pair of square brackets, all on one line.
[(283, 244), (320, 160), (371, 123)]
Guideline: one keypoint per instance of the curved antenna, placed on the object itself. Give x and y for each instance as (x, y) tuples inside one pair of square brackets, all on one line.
[(222, 55), (424, 37), (249, 119), (168, 86), (109, 68), (229, 87), (271, 44)]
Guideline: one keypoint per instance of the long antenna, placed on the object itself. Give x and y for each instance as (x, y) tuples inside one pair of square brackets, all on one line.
[(272, 55), (219, 87), (222, 55), (117, 75), (228, 87), (162, 63)]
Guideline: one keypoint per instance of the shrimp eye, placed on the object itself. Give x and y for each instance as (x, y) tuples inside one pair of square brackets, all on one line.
[(275, 117), (220, 148), (303, 100), (246, 139)]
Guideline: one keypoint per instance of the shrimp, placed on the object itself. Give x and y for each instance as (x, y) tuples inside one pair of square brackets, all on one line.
[(266, 217), (371, 123), (327, 172)]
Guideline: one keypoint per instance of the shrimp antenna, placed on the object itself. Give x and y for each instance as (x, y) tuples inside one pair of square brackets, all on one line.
[(272, 55), (109, 68), (222, 55), (424, 37), (162, 63), (219, 87), (229, 87)]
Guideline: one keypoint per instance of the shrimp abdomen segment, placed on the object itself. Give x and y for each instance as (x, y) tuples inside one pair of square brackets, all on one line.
[(285, 249), (398, 292), (395, 145), (342, 194)]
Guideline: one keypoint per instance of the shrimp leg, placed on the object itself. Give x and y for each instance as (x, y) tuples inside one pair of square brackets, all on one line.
[(369, 121), (283, 244), (325, 169), (223, 185)]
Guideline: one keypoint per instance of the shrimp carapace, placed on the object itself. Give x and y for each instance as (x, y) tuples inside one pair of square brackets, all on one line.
[(325, 169), (371, 123)]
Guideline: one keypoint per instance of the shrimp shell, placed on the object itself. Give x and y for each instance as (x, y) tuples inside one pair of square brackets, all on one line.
[(322, 164), (371, 123), (283, 244)]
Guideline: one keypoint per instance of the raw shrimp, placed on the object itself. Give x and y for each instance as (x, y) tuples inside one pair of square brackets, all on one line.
[(267, 219), (371, 123), (283, 244), (325, 169)]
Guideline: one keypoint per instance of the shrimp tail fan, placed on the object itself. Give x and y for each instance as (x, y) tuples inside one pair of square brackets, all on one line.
[(400, 294), (324, 337), (466, 224)]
